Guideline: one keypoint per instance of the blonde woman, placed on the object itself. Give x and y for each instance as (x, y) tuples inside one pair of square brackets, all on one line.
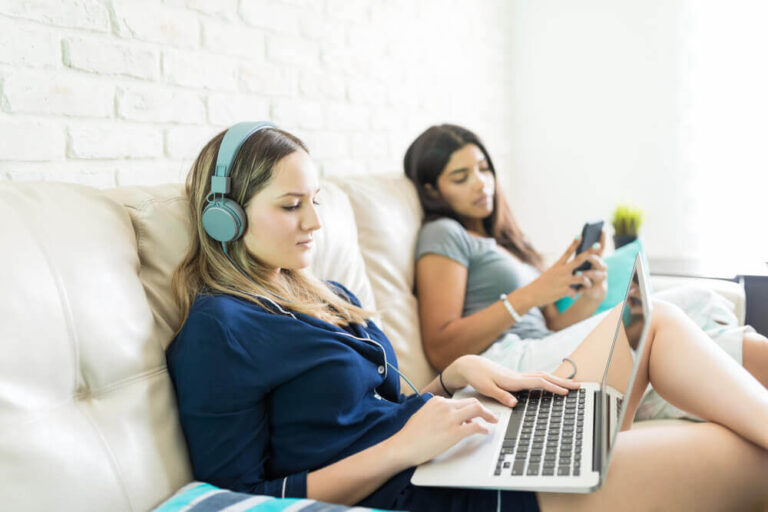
[(285, 387)]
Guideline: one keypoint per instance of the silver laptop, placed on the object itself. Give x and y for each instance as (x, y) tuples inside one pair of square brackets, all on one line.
[(549, 442)]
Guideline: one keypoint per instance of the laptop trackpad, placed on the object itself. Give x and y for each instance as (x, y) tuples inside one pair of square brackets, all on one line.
[(476, 451)]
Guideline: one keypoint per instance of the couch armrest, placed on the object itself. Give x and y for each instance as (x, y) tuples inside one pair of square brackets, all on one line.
[(731, 290)]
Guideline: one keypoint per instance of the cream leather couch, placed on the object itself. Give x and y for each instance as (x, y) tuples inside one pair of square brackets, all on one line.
[(87, 411)]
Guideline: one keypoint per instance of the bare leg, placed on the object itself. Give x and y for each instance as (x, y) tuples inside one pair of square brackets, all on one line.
[(681, 467), (687, 369), (690, 372), (702, 467), (755, 355)]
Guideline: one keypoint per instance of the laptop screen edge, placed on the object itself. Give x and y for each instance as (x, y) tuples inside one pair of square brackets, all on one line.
[(640, 270)]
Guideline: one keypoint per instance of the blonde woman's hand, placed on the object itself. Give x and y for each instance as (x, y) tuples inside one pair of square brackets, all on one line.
[(495, 381), (438, 425)]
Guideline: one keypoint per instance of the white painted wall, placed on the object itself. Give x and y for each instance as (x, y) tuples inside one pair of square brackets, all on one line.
[(597, 116), (659, 103), (116, 92), (727, 128), (582, 104)]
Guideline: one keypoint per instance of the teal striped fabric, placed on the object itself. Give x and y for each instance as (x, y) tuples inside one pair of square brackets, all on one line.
[(202, 497)]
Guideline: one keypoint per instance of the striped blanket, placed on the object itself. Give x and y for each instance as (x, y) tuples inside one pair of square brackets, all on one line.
[(202, 497)]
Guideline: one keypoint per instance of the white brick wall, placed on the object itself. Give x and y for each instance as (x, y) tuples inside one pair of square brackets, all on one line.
[(97, 56), (57, 93), (82, 14), (100, 142), (115, 92), (40, 48), (31, 141)]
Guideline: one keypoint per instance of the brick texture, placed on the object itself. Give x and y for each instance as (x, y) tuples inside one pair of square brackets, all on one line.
[(107, 92)]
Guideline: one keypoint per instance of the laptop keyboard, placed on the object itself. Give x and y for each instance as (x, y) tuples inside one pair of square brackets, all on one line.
[(544, 435)]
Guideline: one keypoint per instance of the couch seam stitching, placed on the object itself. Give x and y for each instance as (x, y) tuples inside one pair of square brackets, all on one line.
[(71, 331), (100, 392), (83, 408), (65, 304), (110, 454)]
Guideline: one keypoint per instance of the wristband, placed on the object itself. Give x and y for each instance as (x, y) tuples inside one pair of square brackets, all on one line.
[(509, 307), (443, 384), (575, 368)]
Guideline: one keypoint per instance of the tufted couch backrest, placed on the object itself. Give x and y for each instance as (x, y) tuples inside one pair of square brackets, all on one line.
[(87, 411)]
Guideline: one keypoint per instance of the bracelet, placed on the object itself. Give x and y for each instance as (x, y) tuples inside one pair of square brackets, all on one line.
[(572, 375), (443, 384), (509, 307)]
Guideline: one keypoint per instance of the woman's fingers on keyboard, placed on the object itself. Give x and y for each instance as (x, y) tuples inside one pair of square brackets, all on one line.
[(551, 386), (475, 410), (561, 381)]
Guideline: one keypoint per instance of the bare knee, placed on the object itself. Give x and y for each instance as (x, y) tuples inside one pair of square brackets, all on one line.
[(755, 346), (755, 356), (666, 315), (665, 308), (755, 339)]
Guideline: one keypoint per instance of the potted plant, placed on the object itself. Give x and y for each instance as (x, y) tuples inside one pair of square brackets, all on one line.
[(626, 222)]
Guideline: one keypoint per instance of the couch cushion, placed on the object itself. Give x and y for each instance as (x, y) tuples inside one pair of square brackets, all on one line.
[(388, 216), (160, 218), (338, 255), (730, 290), (87, 412)]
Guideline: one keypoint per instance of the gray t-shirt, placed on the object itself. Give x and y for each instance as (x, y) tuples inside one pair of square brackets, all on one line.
[(491, 271)]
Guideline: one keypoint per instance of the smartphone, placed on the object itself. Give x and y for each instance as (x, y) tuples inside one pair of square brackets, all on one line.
[(590, 234)]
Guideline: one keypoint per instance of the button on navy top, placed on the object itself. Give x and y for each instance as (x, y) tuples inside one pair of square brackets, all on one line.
[(264, 397)]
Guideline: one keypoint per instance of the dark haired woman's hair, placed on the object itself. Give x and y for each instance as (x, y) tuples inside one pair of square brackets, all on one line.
[(426, 159)]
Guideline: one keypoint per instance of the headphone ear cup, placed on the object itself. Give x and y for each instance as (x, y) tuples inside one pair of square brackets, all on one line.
[(224, 220)]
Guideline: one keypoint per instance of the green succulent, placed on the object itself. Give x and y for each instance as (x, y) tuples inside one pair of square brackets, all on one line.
[(626, 220)]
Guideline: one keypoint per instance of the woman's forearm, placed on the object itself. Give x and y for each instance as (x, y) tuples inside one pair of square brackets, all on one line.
[(581, 309), (474, 333), (353, 478), (453, 380)]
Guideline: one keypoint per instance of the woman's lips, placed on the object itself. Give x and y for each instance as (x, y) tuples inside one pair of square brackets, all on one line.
[(483, 200), (306, 243)]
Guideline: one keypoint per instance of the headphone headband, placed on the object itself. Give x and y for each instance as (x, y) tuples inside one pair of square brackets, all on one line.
[(231, 143), (223, 219)]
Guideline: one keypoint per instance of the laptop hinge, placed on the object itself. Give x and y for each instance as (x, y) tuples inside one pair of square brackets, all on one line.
[(597, 434)]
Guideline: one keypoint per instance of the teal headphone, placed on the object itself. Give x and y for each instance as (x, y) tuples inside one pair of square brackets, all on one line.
[(223, 218)]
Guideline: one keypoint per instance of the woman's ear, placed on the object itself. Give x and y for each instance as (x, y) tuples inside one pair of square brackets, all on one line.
[(431, 191)]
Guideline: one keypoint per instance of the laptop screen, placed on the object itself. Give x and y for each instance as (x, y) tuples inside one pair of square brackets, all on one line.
[(628, 344)]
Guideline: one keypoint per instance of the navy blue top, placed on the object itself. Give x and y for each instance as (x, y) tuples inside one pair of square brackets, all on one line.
[(264, 398)]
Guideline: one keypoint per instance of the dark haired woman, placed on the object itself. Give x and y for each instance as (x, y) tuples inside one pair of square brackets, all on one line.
[(483, 288)]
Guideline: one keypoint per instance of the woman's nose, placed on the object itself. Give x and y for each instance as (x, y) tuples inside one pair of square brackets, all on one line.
[(477, 181), (311, 219)]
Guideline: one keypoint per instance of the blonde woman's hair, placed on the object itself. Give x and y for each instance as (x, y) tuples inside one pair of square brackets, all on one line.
[(206, 268)]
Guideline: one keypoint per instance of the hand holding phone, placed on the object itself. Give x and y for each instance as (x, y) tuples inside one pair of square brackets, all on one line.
[(590, 235)]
